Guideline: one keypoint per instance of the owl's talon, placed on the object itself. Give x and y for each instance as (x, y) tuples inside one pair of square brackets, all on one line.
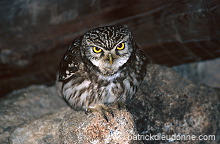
[(111, 112), (102, 109), (87, 111), (119, 105), (105, 117)]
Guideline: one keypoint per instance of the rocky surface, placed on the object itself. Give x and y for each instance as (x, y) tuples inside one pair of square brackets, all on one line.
[(169, 104), (25, 105), (71, 127), (38, 115), (202, 73), (166, 104)]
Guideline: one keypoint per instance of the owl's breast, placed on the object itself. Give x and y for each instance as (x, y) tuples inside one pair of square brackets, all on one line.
[(82, 92), (120, 87)]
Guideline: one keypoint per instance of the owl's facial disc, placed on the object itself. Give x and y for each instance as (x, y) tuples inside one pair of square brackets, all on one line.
[(107, 48), (109, 61)]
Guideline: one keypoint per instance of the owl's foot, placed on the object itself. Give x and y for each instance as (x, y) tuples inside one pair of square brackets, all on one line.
[(119, 105), (102, 109)]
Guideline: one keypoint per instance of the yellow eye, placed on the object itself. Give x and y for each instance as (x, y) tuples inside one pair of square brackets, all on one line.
[(97, 50), (121, 46)]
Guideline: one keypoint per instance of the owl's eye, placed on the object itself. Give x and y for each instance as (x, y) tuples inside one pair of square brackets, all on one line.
[(121, 46), (97, 50)]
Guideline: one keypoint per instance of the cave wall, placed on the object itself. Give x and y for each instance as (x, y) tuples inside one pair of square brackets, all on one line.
[(34, 34)]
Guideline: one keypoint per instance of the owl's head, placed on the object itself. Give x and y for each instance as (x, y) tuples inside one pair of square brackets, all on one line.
[(107, 48)]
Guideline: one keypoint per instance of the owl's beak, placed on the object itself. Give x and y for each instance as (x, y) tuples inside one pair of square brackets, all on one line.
[(110, 59)]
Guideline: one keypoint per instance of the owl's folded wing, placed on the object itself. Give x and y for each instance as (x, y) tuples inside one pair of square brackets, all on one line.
[(69, 64)]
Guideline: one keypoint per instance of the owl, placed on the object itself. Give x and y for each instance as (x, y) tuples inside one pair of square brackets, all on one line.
[(104, 66)]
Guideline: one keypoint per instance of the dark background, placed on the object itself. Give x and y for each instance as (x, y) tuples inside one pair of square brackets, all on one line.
[(34, 34)]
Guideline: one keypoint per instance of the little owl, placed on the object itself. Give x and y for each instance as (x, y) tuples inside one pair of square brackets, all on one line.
[(102, 67)]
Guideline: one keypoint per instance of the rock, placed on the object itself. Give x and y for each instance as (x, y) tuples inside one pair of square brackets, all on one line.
[(202, 73), (165, 105), (168, 104), (25, 105), (69, 126)]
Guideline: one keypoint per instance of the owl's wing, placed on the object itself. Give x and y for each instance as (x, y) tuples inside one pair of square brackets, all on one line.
[(70, 62), (142, 55)]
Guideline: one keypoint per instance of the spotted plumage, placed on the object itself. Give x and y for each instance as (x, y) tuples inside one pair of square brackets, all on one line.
[(101, 67)]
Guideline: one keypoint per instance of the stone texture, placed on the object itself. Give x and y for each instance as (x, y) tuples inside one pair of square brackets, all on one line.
[(68, 126), (25, 105), (166, 104), (202, 73), (36, 33), (169, 104)]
